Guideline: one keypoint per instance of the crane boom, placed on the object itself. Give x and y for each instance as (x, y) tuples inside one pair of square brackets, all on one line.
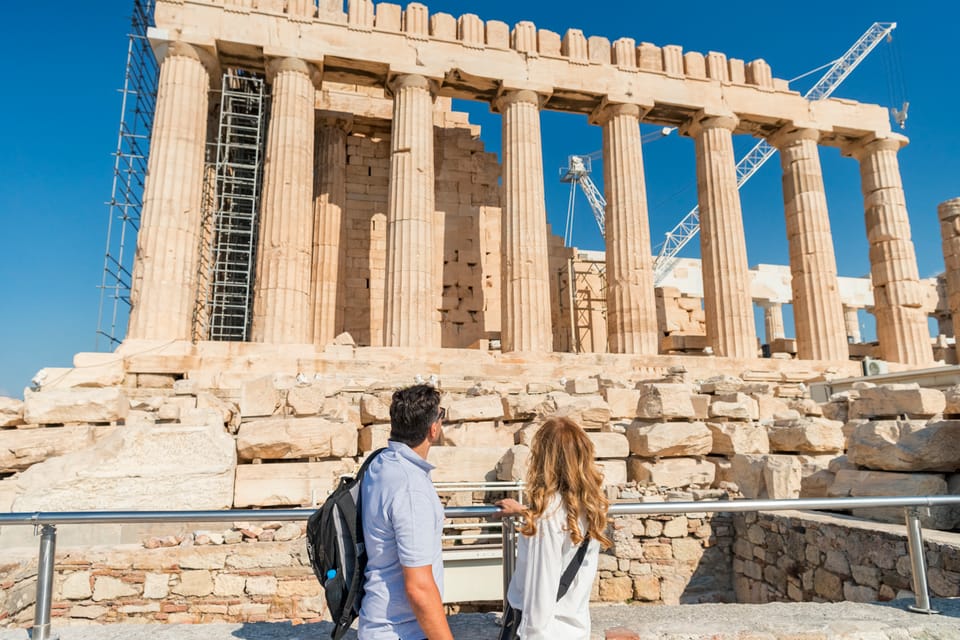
[(689, 226)]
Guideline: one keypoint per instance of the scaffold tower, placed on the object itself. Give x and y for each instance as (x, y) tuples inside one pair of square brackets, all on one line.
[(138, 97)]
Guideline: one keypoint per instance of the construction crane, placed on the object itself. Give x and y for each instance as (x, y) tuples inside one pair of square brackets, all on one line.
[(689, 226), (577, 173)]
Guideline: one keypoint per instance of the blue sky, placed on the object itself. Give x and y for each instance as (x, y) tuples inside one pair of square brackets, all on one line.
[(65, 61)]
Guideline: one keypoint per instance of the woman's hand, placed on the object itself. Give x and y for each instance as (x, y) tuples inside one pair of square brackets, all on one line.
[(509, 507)]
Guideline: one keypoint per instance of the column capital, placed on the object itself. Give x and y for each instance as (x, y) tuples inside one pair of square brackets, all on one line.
[(506, 97), (703, 120), (399, 81), (949, 209), (608, 109), (181, 49), (791, 133), (335, 119), (872, 143), (309, 69)]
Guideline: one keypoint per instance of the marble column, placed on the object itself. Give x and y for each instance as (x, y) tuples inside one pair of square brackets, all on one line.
[(526, 322), (901, 323), (282, 292), (631, 305), (330, 196), (163, 290), (728, 306), (817, 310), (412, 296), (949, 214), (772, 321), (851, 321)]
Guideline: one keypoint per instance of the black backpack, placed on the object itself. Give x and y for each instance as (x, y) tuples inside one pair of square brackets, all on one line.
[(336, 550)]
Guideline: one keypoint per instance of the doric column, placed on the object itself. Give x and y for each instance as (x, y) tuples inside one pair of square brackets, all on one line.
[(817, 310), (526, 324), (726, 278), (164, 286), (329, 199), (901, 323), (412, 301), (851, 321), (631, 306), (282, 294), (772, 321), (949, 214)]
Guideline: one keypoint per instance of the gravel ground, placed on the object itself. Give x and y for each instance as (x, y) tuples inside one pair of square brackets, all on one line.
[(796, 621)]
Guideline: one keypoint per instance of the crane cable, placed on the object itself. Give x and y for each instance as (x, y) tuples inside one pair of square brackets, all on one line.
[(896, 82)]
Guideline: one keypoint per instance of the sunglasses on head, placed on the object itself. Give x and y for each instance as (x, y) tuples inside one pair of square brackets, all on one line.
[(441, 414)]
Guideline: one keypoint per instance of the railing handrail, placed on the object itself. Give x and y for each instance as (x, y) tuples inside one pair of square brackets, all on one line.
[(616, 508)]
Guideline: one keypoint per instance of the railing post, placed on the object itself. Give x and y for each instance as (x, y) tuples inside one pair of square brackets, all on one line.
[(45, 563), (918, 562), (509, 557)]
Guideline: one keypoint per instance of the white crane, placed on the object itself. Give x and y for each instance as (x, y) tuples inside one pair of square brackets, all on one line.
[(689, 226), (577, 172)]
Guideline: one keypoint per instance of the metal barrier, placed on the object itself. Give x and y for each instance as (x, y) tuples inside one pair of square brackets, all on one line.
[(46, 523)]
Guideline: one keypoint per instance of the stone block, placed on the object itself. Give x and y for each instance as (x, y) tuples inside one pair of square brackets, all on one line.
[(616, 589), (810, 435), (372, 410), (527, 406), (136, 468), (582, 386), (609, 445), (90, 372), (731, 438), (228, 585), (259, 397), (591, 411), (464, 464), (512, 467), (664, 401), (477, 434), (156, 586), (951, 400), (290, 484), (11, 412), (701, 406), (110, 588), (196, 584), (76, 586), (646, 588), (23, 448), (906, 445), (373, 437), (852, 482), (892, 400), (614, 472), (261, 586), (622, 402), (296, 438), (747, 471), (669, 439), (721, 384), (781, 477), (672, 473), (75, 405), (735, 406), (768, 406), (487, 407)]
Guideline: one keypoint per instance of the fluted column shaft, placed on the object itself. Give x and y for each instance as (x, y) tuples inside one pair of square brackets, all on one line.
[(164, 286), (526, 324), (851, 321), (949, 214), (631, 306), (412, 302), (817, 310), (901, 323), (773, 321), (728, 307), (330, 198), (282, 295)]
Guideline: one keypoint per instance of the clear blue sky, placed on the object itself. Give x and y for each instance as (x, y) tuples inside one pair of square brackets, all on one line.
[(65, 61)]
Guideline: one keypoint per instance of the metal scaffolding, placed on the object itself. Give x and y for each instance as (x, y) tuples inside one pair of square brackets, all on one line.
[(236, 200), (139, 94), (582, 286)]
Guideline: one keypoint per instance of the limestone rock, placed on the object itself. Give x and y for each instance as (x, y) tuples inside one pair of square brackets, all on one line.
[(345, 339), (11, 412), (892, 400), (782, 477), (731, 438), (514, 463), (372, 410), (850, 482), (75, 405), (747, 471), (582, 386), (664, 401), (591, 412), (816, 476), (906, 445), (768, 406), (22, 448), (669, 439), (524, 435), (952, 400), (721, 384), (811, 435), (486, 407), (259, 397), (701, 405), (614, 472), (373, 437), (609, 445), (296, 438), (737, 406), (622, 402), (288, 485), (464, 464), (672, 473), (136, 468), (97, 370), (477, 434), (525, 406)]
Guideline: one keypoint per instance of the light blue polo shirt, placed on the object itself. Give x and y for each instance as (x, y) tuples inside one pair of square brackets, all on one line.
[(402, 525)]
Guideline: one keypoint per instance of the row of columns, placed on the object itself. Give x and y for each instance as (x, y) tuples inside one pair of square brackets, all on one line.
[(299, 253)]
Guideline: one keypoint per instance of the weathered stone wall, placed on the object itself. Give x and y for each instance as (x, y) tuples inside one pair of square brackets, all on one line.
[(803, 557)]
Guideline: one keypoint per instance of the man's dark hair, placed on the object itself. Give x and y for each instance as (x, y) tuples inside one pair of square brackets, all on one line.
[(412, 411)]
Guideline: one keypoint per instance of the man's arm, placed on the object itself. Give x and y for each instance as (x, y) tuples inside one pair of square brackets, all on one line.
[(426, 603)]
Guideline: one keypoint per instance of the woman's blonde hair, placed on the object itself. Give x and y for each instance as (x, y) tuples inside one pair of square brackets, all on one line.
[(561, 462)]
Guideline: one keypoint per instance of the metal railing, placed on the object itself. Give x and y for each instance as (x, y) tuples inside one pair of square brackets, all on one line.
[(46, 523)]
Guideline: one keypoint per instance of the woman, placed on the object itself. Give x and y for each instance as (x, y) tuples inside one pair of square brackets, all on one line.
[(567, 509)]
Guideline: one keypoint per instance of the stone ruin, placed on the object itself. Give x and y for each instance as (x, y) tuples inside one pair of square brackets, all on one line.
[(389, 253)]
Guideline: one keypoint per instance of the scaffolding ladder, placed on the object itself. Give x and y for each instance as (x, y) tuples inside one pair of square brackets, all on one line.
[(236, 199), (138, 98)]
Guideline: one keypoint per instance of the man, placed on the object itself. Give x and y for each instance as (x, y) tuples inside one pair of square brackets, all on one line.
[(402, 524)]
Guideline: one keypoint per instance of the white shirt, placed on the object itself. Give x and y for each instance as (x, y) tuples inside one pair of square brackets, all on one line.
[(541, 560)]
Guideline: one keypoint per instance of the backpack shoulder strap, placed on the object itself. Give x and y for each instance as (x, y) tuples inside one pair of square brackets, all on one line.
[(566, 578)]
